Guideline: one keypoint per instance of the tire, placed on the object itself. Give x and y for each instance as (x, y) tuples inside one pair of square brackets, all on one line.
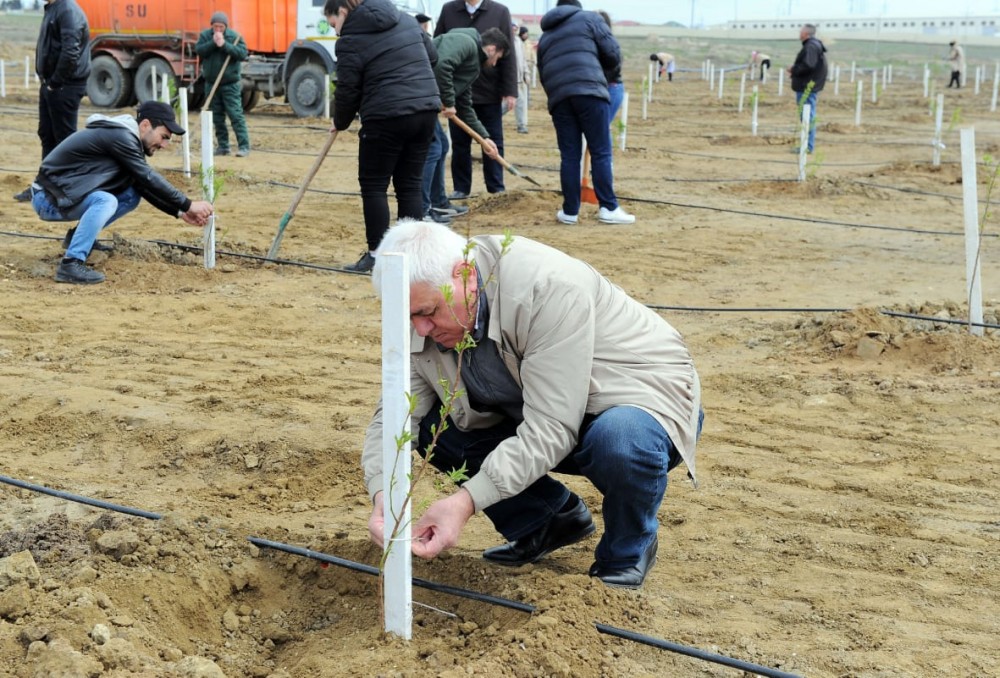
[(109, 85), (143, 75), (307, 89), (196, 94), (250, 96)]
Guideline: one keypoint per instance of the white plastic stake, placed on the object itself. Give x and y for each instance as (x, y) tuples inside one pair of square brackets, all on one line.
[(804, 140), (534, 76), (781, 80), (623, 117), (649, 83), (885, 77), (165, 90), (645, 97), (153, 82), (938, 116), (743, 91), (970, 201), (711, 76), (397, 589), (763, 74), (753, 116), (890, 73), (996, 85), (874, 86), (208, 187), (976, 89), (182, 95), (326, 97), (722, 72), (27, 72), (857, 104), (853, 64), (927, 81), (836, 80)]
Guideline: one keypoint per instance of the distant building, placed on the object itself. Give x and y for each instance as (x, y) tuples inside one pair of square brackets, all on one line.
[(946, 26)]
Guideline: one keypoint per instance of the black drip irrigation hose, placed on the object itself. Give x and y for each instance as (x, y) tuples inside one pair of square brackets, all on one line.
[(80, 499), (894, 314), (694, 652), (417, 581)]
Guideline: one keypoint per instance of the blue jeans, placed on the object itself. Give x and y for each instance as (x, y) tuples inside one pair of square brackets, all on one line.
[(434, 194), (586, 116), (97, 211), (811, 100), (623, 451), (616, 90)]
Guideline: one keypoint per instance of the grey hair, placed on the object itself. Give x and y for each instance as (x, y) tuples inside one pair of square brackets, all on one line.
[(810, 30), (433, 249)]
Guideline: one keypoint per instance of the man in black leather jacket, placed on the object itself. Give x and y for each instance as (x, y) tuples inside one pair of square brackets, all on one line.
[(99, 175), (62, 62)]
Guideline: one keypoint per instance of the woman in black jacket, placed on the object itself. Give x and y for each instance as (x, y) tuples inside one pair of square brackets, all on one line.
[(384, 73)]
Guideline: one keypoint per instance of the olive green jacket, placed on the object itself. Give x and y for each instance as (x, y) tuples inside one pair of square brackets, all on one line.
[(212, 57)]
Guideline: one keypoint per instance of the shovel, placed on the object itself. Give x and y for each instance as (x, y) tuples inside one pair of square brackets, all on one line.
[(273, 252), (587, 193), (506, 165)]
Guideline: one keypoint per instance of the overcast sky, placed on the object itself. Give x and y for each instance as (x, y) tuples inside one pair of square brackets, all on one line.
[(720, 11)]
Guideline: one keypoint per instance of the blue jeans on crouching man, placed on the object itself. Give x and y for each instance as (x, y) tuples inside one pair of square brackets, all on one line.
[(623, 451), (97, 211), (584, 116)]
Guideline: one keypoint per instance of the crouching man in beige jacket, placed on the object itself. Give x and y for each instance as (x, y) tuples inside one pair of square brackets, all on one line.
[(568, 375)]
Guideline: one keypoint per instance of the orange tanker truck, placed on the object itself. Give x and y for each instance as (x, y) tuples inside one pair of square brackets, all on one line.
[(290, 45)]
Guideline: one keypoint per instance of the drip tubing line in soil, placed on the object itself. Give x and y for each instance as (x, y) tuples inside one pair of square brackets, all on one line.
[(894, 314), (903, 189), (694, 652), (825, 222), (80, 499), (417, 581)]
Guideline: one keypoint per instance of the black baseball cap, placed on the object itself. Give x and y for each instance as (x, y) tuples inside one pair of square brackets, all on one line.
[(159, 113), (422, 18)]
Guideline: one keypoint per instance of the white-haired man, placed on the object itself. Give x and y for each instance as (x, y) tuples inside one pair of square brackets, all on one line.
[(568, 374)]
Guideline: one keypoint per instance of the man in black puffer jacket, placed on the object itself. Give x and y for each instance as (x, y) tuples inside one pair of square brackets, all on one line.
[(493, 93), (384, 72), (575, 50), (808, 75), (62, 62)]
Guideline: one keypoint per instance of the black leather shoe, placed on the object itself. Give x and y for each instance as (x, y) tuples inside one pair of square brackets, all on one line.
[(364, 265), (627, 577), (564, 529)]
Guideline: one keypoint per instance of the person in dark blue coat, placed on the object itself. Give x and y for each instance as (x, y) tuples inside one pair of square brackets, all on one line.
[(384, 73), (574, 52)]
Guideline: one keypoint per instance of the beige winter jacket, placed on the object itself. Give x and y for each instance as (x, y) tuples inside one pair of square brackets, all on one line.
[(576, 344)]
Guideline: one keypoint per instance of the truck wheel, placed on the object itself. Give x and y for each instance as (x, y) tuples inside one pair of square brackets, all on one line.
[(143, 78), (250, 98), (109, 84), (307, 89)]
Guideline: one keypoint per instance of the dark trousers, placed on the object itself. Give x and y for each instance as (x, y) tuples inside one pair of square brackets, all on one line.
[(956, 79), (491, 115), (58, 111), (392, 148), (228, 101)]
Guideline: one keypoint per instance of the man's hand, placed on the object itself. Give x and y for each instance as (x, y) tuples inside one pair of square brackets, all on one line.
[(199, 213), (509, 103), (490, 149), (439, 528), (219, 38), (449, 111), (376, 522)]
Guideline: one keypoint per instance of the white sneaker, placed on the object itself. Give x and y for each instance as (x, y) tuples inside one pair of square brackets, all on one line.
[(566, 218), (615, 216)]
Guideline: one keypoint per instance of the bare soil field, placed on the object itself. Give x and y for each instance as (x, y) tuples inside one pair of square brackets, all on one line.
[(847, 522)]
